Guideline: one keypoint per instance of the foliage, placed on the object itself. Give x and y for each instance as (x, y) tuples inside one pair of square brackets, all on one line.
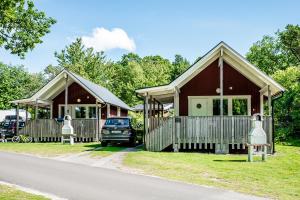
[(279, 56), (22, 26), (289, 117), (17, 83), (122, 77), (273, 53), (179, 65)]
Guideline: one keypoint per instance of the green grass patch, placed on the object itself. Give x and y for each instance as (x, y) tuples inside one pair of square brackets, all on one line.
[(10, 193), (279, 177), (48, 149)]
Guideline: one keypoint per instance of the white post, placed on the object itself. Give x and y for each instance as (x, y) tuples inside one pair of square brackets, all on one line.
[(17, 114), (146, 116), (262, 104), (66, 94), (97, 122), (36, 109), (118, 111), (108, 110), (176, 102), (221, 148), (51, 111)]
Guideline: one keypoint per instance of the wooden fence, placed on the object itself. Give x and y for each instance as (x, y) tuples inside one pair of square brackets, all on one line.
[(203, 132), (49, 130)]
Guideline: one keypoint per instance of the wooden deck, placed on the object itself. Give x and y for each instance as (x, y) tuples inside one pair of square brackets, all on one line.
[(49, 130), (203, 132)]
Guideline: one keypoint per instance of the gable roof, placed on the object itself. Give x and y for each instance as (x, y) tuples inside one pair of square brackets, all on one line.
[(232, 57), (102, 94)]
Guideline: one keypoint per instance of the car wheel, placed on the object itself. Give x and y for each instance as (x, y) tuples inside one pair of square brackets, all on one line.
[(133, 142), (104, 144)]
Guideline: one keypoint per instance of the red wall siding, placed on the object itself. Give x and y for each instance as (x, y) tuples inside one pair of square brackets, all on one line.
[(124, 113), (113, 111), (208, 80), (75, 91)]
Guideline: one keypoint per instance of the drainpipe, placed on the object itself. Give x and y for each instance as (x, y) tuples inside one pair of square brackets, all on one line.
[(144, 102), (273, 125)]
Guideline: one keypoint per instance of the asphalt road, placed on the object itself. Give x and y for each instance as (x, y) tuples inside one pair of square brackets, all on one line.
[(75, 181)]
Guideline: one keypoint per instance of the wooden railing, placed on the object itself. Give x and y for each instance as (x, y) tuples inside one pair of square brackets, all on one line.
[(49, 130), (203, 132)]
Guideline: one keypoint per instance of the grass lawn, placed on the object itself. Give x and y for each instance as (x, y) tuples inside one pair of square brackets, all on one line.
[(56, 149), (278, 178), (10, 193)]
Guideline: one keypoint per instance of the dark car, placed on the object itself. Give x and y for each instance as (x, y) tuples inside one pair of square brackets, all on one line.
[(118, 130), (9, 125)]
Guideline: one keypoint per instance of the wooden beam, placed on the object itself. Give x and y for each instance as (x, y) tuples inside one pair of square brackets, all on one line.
[(36, 110), (146, 114), (176, 101), (221, 98), (118, 111), (107, 110), (66, 95), (97, 122), (17, 114)]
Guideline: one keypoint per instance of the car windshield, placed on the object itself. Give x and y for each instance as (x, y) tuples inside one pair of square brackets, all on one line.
[(117, 122)]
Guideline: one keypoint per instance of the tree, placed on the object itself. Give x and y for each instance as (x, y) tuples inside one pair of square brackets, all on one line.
[(288, 118), (290, 38), (22, 26), (156, 70), (274, 53), (179, 65), (85, 62), (17, 83)]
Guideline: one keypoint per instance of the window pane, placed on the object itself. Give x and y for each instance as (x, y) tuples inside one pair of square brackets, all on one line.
[(239, 107), (92, 112), (80, 112), (62, 111), (216, 106)]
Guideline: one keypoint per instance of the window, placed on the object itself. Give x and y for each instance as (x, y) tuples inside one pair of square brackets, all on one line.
[(80, 112), (92, 112), (216, 106), (62, 111), (239, 107)]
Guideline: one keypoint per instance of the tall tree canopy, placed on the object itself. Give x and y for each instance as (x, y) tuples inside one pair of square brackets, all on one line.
[(277, 52), (17, 83), (179, 65), (122, 77), (279, 56), (22, 26)]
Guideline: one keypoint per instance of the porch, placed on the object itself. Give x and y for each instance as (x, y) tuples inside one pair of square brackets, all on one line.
[(203, 132), (49, 130)]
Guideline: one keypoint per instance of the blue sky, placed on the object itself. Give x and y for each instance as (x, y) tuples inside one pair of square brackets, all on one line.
[(165, 28)]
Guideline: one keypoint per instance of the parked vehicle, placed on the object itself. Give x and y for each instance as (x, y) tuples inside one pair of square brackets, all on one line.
[(119, 130), (9, 125)]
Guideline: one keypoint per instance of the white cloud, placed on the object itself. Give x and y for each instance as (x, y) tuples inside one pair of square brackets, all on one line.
[(103, 39)]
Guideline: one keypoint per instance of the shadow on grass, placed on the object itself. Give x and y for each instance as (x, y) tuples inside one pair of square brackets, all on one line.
[(229, 160), (113, 148)]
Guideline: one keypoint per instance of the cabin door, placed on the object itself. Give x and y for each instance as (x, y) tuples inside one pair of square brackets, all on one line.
[(198, 107)]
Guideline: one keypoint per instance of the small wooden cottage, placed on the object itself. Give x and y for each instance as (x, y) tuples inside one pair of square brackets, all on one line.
[(213, 101), (87, 103)]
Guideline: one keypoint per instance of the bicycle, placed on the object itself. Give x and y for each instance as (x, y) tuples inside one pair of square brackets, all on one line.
[(21, 139)]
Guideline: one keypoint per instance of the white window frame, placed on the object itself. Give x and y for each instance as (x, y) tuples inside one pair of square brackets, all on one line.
[(73, 109), (228, 97)]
